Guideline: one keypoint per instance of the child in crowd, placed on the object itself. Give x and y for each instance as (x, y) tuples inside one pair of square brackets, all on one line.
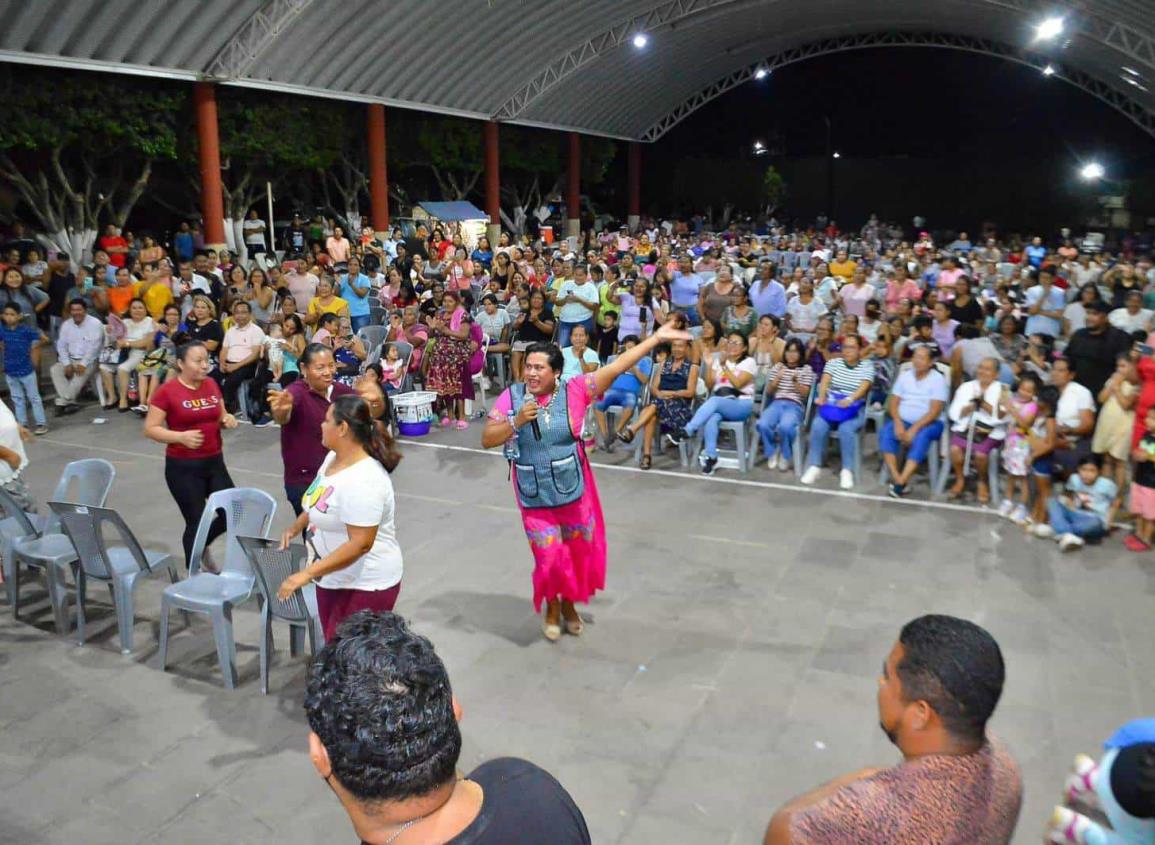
[(392, 370), (1085, 512), (275, 350), (19, 341), (1143, 488), (1042, 439), (1116, 420), (1021, 407), (884, 369), (606, 336)]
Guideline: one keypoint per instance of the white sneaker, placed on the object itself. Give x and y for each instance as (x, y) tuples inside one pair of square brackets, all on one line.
[(1070, 542), (846, 480), (772, 461), (1020, 516), (1005, 508), (783, 464), (811, 475), (1043, 531)]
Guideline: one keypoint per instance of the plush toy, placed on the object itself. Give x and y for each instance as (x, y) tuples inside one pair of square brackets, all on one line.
[(1121, 786)]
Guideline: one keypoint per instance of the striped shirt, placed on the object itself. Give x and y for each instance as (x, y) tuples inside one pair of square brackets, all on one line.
[(791, 379), (845, 379)]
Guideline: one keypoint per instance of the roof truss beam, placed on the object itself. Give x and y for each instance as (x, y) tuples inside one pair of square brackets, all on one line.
[(1108, 94), (257, 35)]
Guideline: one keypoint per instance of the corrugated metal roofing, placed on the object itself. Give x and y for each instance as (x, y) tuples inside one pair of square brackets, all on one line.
[(561, 63)]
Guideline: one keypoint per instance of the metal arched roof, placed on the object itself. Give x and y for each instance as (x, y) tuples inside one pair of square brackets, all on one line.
[(565, 64)]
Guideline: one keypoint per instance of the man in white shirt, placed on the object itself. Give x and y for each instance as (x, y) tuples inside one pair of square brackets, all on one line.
[(1074, 417), (80, 341), (254, 229), (240, 352), (187, 284)]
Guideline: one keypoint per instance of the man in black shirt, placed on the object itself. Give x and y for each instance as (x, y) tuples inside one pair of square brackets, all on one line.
[(385, 739), (295, 237), (1093, 350)]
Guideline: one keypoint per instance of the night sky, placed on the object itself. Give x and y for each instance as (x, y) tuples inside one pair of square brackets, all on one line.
[(935, 106)]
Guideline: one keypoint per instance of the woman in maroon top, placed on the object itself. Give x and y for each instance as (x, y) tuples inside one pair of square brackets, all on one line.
[(186, 414)]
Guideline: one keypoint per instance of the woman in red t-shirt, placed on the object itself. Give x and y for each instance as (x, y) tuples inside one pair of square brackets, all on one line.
[(186, 414)]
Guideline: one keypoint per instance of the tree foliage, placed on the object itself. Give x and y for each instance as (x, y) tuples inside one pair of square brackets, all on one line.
[(773, 189), (84, 146)]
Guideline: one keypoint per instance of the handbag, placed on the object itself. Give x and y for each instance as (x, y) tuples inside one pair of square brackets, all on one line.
[(727, 392), (834, 414)]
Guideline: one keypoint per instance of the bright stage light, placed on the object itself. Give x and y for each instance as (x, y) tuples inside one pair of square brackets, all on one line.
[(1092, 171), (640, 40), (1049, 29)]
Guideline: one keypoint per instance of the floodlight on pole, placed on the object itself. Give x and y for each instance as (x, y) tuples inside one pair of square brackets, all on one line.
[(1049, 29), (640, 40), (1092, 171)]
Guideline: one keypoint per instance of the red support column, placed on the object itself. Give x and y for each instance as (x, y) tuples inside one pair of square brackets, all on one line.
[(574, 187), (634, 167), (493, 182), (378, 175), (208, 139)]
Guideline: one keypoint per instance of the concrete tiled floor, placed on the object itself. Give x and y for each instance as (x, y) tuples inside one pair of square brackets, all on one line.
[(717, 679)]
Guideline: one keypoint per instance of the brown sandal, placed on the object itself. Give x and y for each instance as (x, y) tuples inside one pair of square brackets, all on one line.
[(646, 461)]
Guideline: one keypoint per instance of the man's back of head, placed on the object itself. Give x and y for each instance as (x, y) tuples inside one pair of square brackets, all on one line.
[(379, 700)]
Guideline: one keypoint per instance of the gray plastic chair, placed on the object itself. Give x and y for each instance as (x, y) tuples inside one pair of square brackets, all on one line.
[(271, 566), (118, 566), (248, 513), (372, 336), (15, 524), (84, 482)]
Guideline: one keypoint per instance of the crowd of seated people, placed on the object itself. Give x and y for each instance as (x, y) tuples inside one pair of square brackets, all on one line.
[(1009, 361)]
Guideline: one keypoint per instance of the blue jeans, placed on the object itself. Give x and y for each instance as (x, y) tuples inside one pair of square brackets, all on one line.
[(616, 396), (358, 323), (25, 388), (927, 436), (712, 413), (565, 329), (778, 425), (1068, 521), (847, 439)]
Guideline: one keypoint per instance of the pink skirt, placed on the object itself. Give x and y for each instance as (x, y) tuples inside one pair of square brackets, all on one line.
[(568, 545)]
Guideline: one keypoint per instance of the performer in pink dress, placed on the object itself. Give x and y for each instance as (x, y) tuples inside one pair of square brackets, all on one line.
[(539, 422)]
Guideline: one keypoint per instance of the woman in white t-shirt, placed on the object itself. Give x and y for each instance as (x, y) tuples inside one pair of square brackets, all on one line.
[(730, 379), (348, 511)]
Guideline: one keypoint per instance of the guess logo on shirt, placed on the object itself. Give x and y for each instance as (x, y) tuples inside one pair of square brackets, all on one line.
[(201, 403)]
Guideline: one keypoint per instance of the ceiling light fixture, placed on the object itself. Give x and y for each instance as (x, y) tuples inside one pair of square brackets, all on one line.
[(640, 40), (1049, 70), (1092, 171), (1049, 29)]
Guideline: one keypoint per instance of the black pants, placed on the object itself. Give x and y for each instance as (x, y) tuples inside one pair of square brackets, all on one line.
[(191, 481), (259, 390), (294, 493), (232, 384)]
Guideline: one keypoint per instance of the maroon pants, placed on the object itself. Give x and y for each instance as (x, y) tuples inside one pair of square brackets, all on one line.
[(333, 606)]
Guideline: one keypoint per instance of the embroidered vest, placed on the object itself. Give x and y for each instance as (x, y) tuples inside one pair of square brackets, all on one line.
[(548, 472)]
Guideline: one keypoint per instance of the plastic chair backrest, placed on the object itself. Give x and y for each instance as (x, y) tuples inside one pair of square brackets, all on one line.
[(248, 513), (10, 509), (83, 482), (272, 565), (84, 524), (372, 336)]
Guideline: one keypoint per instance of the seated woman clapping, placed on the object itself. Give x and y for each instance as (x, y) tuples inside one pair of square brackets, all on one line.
[(671, 400), (787, 388), (730, 380)]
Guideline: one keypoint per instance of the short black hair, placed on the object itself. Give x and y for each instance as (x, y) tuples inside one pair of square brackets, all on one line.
[(1098, 306), (13, 306), (78, 301), (1092, 459), (379, 699), (956, 667), (551, 351), (922, 322)]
